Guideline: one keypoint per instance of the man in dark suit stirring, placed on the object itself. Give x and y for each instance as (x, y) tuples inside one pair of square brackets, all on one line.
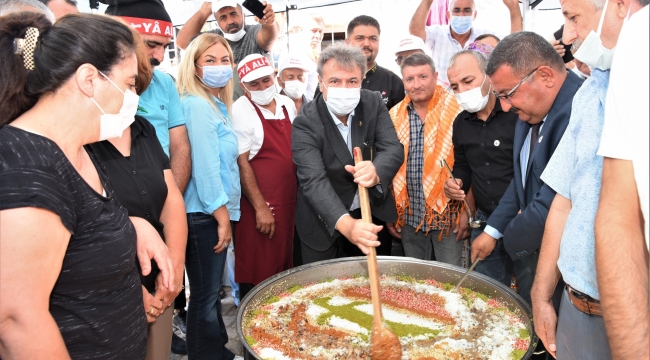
[(529, 78), (339, 119)]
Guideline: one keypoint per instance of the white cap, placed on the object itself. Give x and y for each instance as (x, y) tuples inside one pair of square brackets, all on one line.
[(253, 67), (218, 4), (290, 61), (411, 42)]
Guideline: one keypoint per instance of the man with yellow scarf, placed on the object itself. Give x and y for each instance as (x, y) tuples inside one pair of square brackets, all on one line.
[(423, 121)]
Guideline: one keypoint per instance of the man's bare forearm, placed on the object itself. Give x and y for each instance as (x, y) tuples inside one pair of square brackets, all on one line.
[(192, 28), (548, 274), (622, 262), (179, 156), (516, 20), (419, 19), (175, 223), (269, 34), (249, 187)]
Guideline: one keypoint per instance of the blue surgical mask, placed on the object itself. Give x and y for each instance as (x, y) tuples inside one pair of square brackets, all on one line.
[(216, 76), (461, 24)]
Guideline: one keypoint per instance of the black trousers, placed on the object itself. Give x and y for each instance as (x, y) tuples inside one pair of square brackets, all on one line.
[(342, 247)]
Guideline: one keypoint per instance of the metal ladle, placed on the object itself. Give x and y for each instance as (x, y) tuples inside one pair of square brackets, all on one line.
[(473, 223)]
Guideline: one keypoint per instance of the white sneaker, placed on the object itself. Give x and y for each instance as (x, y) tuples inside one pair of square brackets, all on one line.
[(237, 357)]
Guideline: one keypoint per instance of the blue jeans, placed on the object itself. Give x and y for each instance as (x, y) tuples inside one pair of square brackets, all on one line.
[(230, 260), (206, 331), (498, 265), (525, 268)]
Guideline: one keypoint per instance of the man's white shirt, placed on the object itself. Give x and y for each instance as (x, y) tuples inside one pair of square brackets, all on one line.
[(248, 125), (625, 132), (443, 47)]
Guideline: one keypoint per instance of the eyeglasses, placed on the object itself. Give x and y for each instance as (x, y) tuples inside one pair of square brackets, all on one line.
[(399, 60), (507, 96)]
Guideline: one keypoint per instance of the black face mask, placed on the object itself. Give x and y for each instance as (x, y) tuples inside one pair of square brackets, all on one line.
[(154, 62)]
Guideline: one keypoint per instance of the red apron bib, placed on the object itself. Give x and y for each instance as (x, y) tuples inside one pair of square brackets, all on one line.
[(256, 256)]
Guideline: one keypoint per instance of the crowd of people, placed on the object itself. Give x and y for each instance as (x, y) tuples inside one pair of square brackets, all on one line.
[(118, 180)]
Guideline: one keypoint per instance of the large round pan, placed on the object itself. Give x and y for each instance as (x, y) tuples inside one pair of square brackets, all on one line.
[(388, 265)]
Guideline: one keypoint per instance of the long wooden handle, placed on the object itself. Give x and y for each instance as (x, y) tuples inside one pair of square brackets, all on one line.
[(373, 269)]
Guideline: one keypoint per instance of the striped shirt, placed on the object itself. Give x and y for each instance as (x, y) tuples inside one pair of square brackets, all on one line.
[(443, 47), (414, 169)]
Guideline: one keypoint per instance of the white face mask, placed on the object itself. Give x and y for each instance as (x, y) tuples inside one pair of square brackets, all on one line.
[(592, 52), (473, 100), (263, 97), (113, 125), (342, 101), (236, 36), (294, 89)]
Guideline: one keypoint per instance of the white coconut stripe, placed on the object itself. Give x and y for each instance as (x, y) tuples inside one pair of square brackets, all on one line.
[(455, 345), (394, 316), (272, 354), (480, 305), (314, 311), (339, 301), (347, 325), (494, 350)]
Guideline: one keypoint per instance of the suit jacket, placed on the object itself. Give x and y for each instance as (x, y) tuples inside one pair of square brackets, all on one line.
[(522, 233), (325, 189)]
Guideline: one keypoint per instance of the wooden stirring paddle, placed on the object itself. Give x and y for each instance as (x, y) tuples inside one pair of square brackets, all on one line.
[(384, 344)]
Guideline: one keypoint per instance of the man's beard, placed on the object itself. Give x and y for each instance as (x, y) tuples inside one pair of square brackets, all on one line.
[(233, 26), (370, 58), (154, 62), (576, 45)]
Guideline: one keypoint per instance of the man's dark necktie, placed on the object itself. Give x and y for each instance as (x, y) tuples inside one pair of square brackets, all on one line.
[(534, 135)]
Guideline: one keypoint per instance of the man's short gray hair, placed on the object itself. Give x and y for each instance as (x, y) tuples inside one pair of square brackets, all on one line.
[(524, 51), (598, 4), (348, 57), (317, 18), (13, 6), (418, 59), (480, 59)]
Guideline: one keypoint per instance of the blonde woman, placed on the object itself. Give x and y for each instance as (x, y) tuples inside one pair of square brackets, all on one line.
[(213, 193)]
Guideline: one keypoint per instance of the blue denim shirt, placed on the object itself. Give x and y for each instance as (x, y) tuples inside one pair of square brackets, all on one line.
[(215, 174), (575, 172)]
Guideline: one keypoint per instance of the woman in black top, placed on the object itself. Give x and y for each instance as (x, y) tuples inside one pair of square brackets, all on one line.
[(140, 174), (70, 286), (143, 183)]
